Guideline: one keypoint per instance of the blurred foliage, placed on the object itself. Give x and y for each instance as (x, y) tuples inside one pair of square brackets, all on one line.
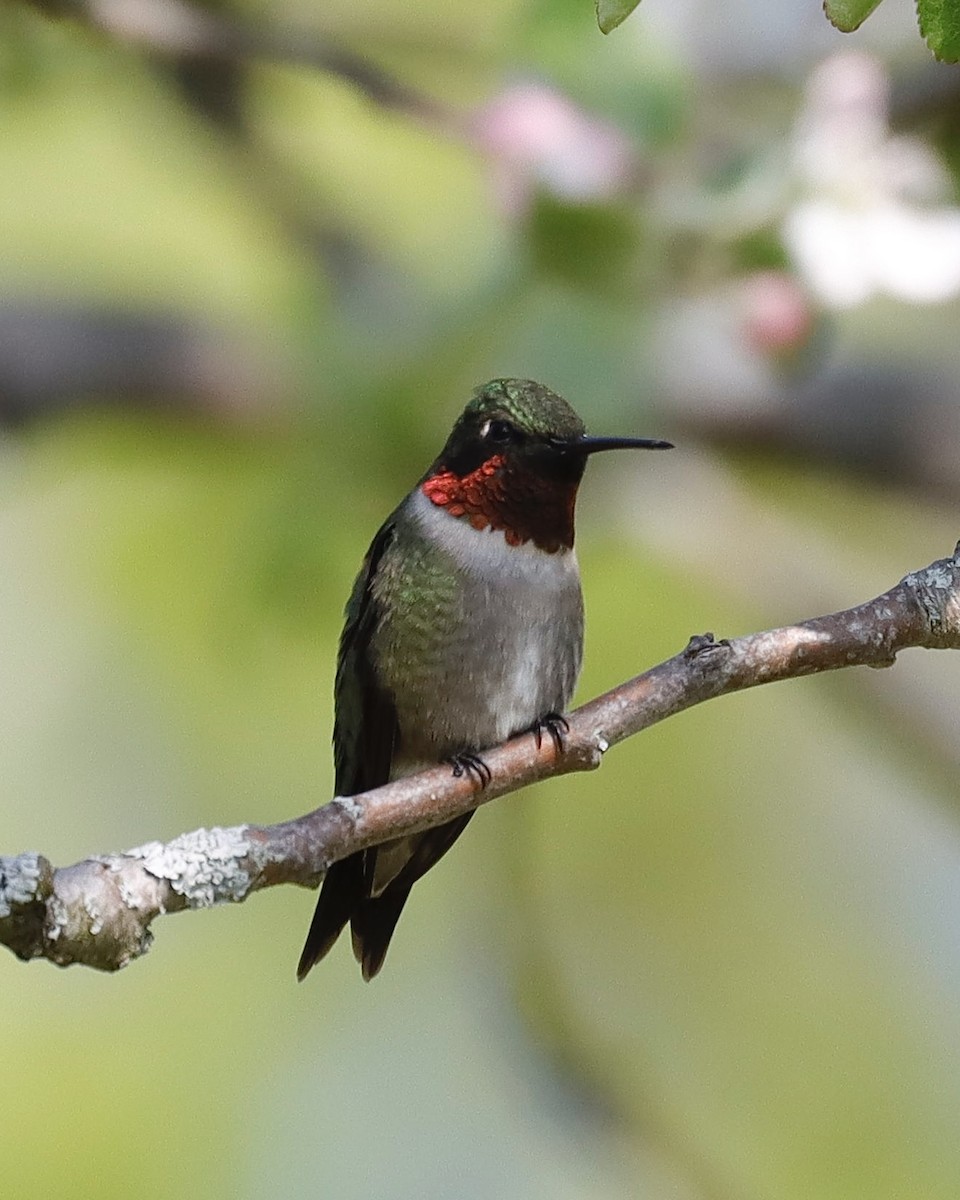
[(939, 20), (254, 262)]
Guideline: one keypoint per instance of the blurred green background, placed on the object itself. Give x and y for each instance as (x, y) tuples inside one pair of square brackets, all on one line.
[(253, 261)]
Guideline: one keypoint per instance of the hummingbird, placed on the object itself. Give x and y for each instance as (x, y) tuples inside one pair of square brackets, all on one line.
[(464, 628)]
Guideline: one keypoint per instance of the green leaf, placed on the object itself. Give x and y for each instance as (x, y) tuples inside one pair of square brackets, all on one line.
[(848, 15), (940, 26), (611, 13)]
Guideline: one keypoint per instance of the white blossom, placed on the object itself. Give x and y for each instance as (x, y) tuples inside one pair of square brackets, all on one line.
[(872, 215)]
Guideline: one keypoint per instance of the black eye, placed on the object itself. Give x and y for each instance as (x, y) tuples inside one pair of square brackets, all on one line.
[(498, 430)]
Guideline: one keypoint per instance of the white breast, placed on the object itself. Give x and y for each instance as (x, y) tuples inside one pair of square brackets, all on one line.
[(486, 552)]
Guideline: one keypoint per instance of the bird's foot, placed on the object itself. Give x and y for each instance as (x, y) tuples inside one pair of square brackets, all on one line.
[(471, 765), (556, 725)]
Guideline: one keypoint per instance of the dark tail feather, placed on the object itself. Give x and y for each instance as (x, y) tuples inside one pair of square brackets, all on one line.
[(374, 920), (372, 926), (340, 896)]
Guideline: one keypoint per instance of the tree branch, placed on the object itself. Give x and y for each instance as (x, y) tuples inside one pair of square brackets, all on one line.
[(98, 912), (179, 28)]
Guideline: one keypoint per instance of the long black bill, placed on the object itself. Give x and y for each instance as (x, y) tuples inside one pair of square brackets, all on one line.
[(593, 445)]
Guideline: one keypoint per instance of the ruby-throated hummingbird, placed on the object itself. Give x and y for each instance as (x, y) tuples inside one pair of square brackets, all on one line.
[(464, 627)]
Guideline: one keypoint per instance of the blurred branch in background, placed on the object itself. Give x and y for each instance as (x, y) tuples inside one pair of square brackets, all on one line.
[(56, 356), (185, 31), (99, 911)]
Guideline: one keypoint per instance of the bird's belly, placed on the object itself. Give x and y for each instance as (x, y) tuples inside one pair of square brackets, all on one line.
[(532, 678), (505, 653), (485, 692)]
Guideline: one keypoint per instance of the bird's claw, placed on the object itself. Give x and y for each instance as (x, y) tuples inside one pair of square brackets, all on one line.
[(473, 766), (556, 725)]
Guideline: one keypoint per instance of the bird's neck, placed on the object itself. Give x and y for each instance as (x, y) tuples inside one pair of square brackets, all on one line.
[(499, 495)]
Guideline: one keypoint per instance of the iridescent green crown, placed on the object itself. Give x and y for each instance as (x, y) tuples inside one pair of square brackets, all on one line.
[(532, 407)]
